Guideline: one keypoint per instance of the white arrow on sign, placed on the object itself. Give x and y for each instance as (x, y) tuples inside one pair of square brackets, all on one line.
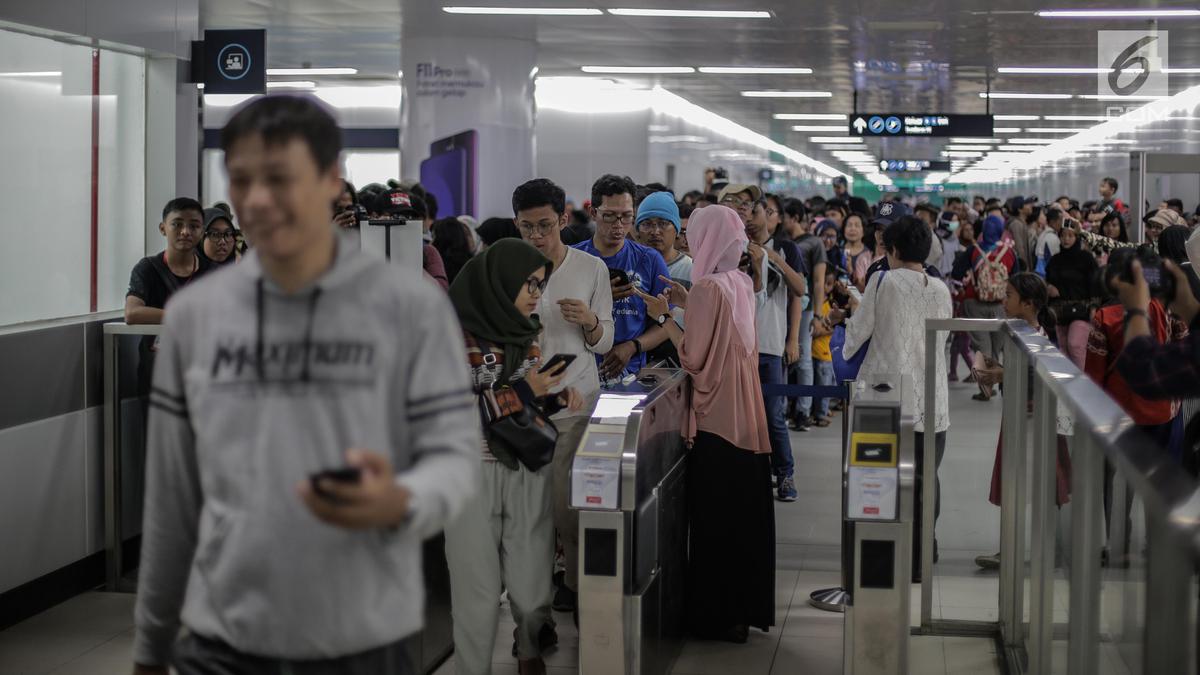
[(860, 124)]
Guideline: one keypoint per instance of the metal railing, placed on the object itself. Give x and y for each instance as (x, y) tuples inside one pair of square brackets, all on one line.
[(1102, 433), (114, 534)]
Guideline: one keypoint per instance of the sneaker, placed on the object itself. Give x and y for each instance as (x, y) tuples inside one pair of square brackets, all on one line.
[(798, 424), (787, 490), (988, 562), (564, 600)]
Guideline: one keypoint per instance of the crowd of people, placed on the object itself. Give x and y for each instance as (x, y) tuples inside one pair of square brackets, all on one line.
[(387, 409)]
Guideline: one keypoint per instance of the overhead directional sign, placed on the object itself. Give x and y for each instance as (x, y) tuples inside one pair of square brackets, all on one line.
[(235, 61), (922, 124), (896, 165)]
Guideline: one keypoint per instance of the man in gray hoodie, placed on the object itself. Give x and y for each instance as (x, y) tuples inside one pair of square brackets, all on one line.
[(304, 357)]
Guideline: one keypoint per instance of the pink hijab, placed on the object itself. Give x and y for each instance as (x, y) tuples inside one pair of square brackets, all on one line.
[(717, 238)]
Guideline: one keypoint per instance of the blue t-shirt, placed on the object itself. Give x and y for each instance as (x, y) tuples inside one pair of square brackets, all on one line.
[(644, 266)]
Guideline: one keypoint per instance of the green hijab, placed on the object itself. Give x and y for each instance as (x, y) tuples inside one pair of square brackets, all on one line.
[(484, 293)]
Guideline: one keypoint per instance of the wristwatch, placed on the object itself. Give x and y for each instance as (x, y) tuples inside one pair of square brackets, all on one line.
[(662, 319)]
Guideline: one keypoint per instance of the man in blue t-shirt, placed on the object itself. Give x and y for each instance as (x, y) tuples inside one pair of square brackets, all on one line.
[(630, 264)]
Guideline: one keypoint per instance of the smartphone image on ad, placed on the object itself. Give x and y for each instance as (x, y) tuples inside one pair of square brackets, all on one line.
[(449, 173)]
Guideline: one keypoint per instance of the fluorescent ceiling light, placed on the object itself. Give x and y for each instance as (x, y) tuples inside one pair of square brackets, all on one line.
[(1115, 97), (787, 94), (1180, 71), (659, 127), (809, 116), (1021, 148), (753, 70), (635, 70), (1052, 130), (816, 127), (1016, 118), (1116, 13), (1076, 118), (835, 139), (961, 153), (34, 73), (525, 11), (840, 146), (297, 84), (1006, 130), (1055, 70), (1031, 141), (693, 13), (973, 139), (1019, 94), (968, 147), (312, 71), (678, 139)]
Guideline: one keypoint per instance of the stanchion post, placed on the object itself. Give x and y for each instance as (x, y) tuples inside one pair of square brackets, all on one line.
[(928, 479), (1087, 472), (1041, 591), (112, 469), (1012, 503)]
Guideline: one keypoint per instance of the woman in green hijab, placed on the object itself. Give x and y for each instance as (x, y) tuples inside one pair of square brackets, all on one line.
[(505, 537)]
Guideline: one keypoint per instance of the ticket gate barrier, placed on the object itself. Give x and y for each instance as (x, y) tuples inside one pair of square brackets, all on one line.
[(627, 484), (878, 490)]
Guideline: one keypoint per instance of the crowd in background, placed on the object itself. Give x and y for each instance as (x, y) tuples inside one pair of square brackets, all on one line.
[(742, 289)]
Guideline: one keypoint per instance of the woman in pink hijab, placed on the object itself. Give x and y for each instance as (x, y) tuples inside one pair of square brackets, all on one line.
[(731, 513)]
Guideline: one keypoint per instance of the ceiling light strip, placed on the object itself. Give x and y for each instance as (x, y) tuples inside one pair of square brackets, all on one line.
[(753, 70), (692, 13), (787, 94), (312, 71), (809, 116), (638, 70), (525, 11), (1117, 13)]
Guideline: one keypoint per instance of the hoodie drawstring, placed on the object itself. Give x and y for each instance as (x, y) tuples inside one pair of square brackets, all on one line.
[(259, 344)]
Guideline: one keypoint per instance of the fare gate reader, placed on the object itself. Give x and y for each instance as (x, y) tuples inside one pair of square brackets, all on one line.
[(627, 487), (878, 489)]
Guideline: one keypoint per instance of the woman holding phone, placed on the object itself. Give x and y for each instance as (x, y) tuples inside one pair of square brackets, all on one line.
[(505, 537), (731, 516)]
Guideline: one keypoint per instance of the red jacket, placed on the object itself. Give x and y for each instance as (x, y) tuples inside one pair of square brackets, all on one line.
[(1105, 343)]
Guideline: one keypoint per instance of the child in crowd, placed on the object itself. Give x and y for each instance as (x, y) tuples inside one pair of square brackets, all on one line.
[(1025, 298), (822, 331)]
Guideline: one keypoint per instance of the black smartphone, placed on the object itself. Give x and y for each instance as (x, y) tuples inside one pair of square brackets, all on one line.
[(614, 273), (552, 365), (349, 474)]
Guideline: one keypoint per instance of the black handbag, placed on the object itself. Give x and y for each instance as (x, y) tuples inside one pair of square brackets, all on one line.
[(518, 431), (1066, 313)]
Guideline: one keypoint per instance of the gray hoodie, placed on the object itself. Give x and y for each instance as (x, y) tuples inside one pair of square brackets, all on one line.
[(369, 356)]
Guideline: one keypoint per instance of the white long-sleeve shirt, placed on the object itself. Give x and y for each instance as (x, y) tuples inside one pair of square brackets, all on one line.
[(892, 316)]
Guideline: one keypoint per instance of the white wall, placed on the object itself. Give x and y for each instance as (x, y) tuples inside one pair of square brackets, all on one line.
[(574, 149)]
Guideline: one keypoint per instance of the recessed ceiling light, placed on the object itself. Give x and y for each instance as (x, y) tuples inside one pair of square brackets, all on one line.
[(753, 70), (34, 73), (1015, 118), (787, 94), (1116, 13), (835, 139), (638, 70), (1019, 94), (809, 116), (312, 71), (693, 13), (525, 11), (816, 127), (298, 84)]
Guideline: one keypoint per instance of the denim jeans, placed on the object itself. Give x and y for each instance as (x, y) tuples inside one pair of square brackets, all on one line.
[(824, 377), (802, 370), (770, 371)]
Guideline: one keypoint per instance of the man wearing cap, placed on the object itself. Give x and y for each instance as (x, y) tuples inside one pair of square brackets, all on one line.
[(1019, 209), (886, 214), (658, 226), (841, 190), (220, 238), (399, 203)]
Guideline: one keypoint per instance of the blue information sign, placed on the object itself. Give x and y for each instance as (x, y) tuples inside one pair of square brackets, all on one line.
[(923, 124), (235, 61)]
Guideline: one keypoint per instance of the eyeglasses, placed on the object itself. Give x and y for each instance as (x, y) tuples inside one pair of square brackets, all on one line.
[(655, 225), (611, 217), (214, 235), (542, 229), (536, 285), (737, 204)]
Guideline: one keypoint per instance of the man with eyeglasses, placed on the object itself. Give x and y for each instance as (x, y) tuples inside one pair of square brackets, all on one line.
[(576, 311), (220, 238), (630, 265)]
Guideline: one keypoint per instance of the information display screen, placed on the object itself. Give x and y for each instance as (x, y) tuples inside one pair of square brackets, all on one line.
[(868, 420)]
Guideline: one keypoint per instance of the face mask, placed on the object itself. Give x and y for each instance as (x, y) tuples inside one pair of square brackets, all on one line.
[(952, 226), (1193, 249)]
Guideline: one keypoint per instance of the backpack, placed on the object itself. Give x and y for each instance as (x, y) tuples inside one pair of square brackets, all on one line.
[(991, 275)]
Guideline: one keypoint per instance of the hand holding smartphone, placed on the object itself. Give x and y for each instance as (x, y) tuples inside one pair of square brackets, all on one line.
[(557, 362), (347, 475)]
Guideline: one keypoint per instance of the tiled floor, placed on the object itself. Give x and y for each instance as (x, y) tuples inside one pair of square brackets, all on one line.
[(92, 635)]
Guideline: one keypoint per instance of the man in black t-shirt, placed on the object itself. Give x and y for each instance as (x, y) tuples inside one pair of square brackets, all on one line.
[(155, 278)]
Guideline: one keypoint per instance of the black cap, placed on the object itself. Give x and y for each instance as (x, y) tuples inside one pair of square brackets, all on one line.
[(399, 204), (839, 180), (887, 213), (929, 208)]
